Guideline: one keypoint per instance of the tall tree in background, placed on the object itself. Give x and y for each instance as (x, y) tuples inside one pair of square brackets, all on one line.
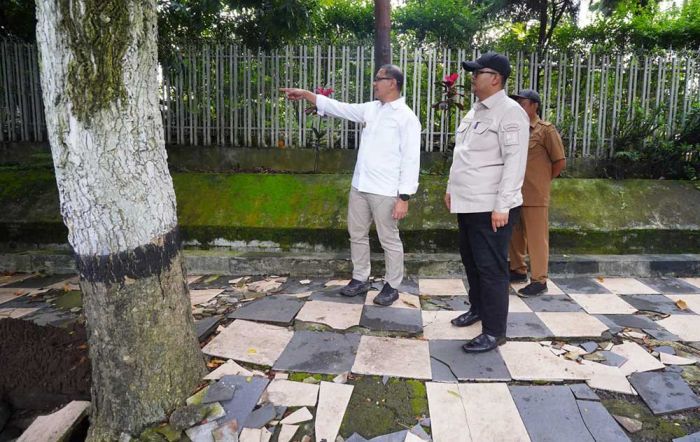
[(100, 87), (382, 33)]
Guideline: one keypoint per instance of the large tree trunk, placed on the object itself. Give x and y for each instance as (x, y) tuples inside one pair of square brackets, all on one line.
[(382, 33), (100, 87)]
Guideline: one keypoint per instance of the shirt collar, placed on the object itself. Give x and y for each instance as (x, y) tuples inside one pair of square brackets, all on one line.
[(534, 122), (493, 99), (396, 103)]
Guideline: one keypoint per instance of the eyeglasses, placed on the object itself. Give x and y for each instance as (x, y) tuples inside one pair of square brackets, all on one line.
[(477, 73), (382, 78)]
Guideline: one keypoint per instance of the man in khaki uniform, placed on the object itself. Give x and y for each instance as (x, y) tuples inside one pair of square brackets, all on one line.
[(545, 161)]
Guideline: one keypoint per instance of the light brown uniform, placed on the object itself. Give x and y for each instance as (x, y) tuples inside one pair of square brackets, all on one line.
[(531, 234)]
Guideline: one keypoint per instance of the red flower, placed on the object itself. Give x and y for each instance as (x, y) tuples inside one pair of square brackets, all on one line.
[(324, 92), (450, 80)]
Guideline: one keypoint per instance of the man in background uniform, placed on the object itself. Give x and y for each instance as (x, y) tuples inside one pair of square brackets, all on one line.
[(545, 161)]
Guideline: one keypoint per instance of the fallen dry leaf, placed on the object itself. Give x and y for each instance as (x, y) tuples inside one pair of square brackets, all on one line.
[(681, 304)]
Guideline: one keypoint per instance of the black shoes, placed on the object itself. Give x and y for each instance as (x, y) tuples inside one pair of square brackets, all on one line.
[(483, 343), (466, 319), (533, 289), (518, 277), (387, 296), (355, 288)]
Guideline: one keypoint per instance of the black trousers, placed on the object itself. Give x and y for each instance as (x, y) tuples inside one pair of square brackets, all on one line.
[(485, 258)]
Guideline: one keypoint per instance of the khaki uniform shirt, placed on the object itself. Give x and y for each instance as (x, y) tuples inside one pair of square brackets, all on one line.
[(545, 148), (489, 158)]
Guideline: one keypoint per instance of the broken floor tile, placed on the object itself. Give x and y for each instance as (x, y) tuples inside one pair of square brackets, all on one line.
[(250, 342), (665, 349), (260, 417), (655, 303), (589, 346), (255, 435), (684, 326), (580, 285), (293, 286), (550, 410), (409, 285), (38, 282), (437, 325), (336, 315), (420, 432), (664, 392), (526, 325), (529, 361), (203, 296), (603, 304), (278, 309), (612, 359), (391, 319), (482, 403), (442, 287), (552, 303), (292, 394), (669, 285), (406, 358), (287, 432), (219, 392), (7, 295), (212, 282), (205, 327), (583, 392), (638, 359), (299, 416), (695, 437), (441, 372), (319, 352), (607, 378), (230, 367), (626, 286), (16, 313), (600, 423), (669, 359), (245, 397), (405, 300), (447, 415), (399, 436), (488, 366), (56, 426), (332, 294), (202, 433), (456, 303), (354, 437), (267, 285), (575, 324), (333, 399)]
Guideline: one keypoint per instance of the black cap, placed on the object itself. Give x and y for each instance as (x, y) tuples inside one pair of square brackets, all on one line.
[(491, 60), (529, 94)]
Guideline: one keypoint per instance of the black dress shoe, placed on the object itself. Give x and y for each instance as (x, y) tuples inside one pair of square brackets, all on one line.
[(387, 296), (518, 277), (533, 289), (483, 343), (355, 288), (466, 319)]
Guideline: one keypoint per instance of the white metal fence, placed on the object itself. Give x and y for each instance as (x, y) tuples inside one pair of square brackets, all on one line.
[(229, 95)]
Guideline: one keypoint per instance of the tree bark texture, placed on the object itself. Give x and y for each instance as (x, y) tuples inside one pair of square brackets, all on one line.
[(382, 33), (99, 80)]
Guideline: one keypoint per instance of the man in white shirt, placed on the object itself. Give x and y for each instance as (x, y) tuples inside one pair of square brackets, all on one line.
[(385, 177), (486, 176)]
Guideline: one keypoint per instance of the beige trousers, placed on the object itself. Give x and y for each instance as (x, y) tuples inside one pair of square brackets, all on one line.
[(531, 237), (363, 208)]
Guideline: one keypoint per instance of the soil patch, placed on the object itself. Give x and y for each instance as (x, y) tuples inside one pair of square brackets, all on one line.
[(42, 367)]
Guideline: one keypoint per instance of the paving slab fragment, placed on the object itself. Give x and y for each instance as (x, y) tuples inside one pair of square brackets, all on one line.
[(589, 346), (319, 352), (245, 397), (442, 287), (669, 285), (388, 356), (583, 392), (250, 342), (333, 399), (399, 436), (526, 325), (228, 368), (612, 359), (202, 433), (332, 294), (638, 359), (255, 435), (655, 303), (292, 394), (56, 426), (277, 309), (405, 300), (391, 319), (354, 437), (629, 424), (294, 286), (16, 313), (529, 361), (447, 415), (607, 378), (420, 432), (668, 359), (664, 392), (482, 403), (487, 366), (574, 324), (260, 417), (695, 437), (456, 303), (603, 304), (580, 285), (220, 391), (552, 303), (287, 432), (203, 296), (437, 325), (600, 423), (684, 326), (626, 286), (299, 416), (37, 282), (441, 372), (335, 315), (550, 413), (205, 327)]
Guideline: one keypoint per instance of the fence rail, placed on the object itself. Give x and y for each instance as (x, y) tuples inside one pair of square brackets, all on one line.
[(229, 95)]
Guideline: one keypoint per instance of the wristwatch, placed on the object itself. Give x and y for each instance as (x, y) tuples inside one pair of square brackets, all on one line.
[(404, 197)]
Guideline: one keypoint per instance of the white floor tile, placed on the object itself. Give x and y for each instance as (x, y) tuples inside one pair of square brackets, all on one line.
[(607, 378), (249, 341), (404, 358), (572, 324), (692, 301), (437, 325), (442, 287), (405, 300), (686, 327), (202, 296), (626, 286), (529, 361), (333, 314), (638, 359), (291, 394), (333, 399), (603, 304), (448, 420), (491, 413), (517, 305)]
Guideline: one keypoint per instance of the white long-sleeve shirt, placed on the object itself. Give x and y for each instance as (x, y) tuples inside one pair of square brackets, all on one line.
[(388, 160), (490, 155)]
